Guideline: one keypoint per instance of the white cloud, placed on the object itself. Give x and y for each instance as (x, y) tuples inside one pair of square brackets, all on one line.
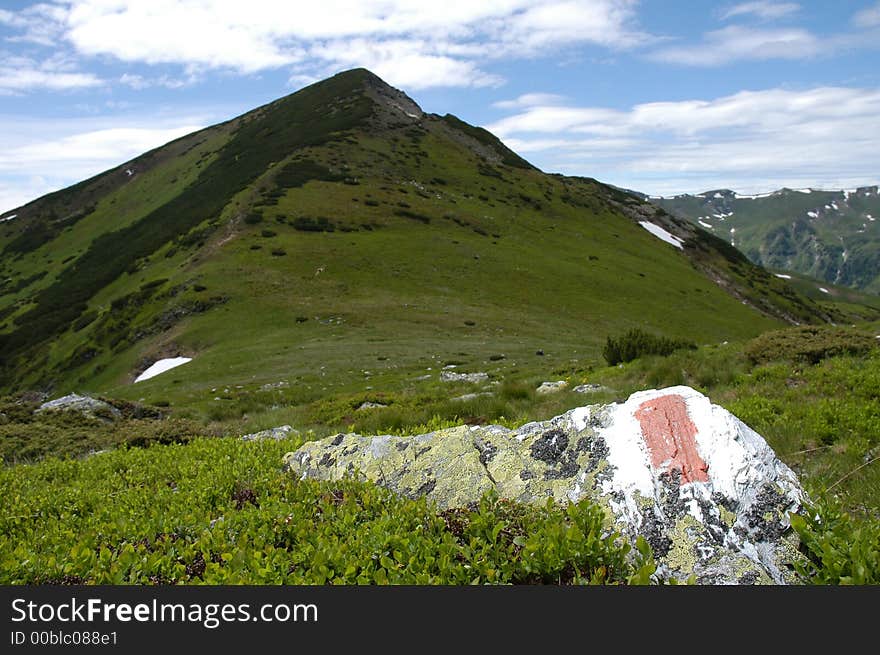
[(39, 24), (411, 43), (407, 63), (42, 155), (23, 190), (736, 43), (762, 9), (869, 17), (105, 147), (139, 82), (752, 140), (530, 100), (20, 74)]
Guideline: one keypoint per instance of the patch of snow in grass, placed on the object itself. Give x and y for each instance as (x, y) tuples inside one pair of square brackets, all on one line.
[(161, 366), (824, 290), (662, 234), (783, 276)]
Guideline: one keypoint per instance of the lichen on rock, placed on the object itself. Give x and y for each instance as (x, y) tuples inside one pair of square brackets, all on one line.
[(706, 491)]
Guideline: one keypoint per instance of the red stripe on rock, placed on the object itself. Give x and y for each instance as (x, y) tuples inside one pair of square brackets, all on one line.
[(670, 435)]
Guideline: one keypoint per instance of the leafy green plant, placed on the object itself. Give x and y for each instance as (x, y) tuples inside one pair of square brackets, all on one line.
[(220, 511), (838, 550)]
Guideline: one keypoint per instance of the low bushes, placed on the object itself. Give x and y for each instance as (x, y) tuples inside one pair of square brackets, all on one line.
[(220, 511), (635, 343), (809, 344)]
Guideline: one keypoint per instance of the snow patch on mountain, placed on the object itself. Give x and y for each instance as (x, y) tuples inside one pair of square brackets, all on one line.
[(161, 366), (662, 234)]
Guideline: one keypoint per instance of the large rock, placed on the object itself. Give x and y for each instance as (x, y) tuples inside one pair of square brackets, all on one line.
[(85, 405), (700, 486)]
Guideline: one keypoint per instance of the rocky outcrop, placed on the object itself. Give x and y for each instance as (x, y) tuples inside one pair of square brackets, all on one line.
[(279, 433), (551, 387), (85, 405), (369, 404), (700, 486), (590, 388), (452, 376)]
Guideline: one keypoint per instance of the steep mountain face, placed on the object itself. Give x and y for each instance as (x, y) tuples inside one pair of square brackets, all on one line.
[(833, 236), (341, 232)]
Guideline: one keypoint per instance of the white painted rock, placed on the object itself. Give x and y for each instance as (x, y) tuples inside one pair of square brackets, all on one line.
[(700, 486)]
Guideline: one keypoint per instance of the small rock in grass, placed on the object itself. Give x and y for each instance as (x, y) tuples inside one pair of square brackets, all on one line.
[(279, 433), (551, 387)]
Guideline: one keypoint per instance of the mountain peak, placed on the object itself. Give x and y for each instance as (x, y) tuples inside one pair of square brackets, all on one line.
[(397, 106)]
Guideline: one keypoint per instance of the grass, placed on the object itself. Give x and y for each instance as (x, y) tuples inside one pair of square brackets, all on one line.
[(822, 419)]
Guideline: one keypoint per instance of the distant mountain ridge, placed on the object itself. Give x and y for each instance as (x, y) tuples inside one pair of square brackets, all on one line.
[(832, 236)]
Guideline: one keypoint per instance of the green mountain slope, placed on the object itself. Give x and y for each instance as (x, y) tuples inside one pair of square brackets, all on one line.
[(833, 236), (340, 238)]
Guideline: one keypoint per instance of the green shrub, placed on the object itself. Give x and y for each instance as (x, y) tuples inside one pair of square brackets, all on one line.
[(220, 511), (838, 550), (635, 343), (405, 213), (809, 344), (309, 224)]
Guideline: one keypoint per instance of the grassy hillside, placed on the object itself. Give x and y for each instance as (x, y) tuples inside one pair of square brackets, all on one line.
[(339, 241), (169, 505)]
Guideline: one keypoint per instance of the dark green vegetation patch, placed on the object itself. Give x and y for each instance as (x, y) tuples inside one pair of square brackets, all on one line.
[(636, 343), (173, 514), (810, 344)]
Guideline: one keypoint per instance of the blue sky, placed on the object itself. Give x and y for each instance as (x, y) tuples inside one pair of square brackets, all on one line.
[(661, 96)]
